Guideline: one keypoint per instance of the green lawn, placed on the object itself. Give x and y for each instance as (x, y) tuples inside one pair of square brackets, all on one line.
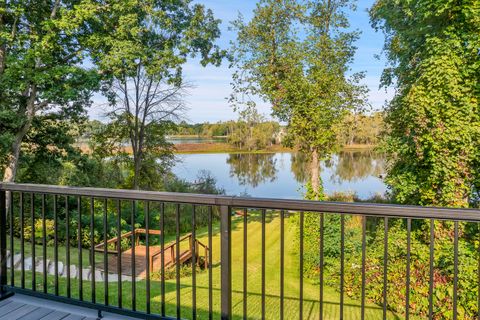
[(311, 291)]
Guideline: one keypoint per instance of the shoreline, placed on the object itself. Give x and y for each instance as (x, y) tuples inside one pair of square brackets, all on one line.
[(223, 147), (192, 148)]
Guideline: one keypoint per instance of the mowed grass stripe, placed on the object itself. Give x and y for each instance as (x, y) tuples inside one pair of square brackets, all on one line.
[(311, 290)]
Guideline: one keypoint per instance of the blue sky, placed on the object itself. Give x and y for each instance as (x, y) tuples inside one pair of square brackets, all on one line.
[(207, 100)]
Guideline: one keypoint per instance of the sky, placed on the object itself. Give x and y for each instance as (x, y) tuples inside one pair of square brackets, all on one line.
[(211, 85)]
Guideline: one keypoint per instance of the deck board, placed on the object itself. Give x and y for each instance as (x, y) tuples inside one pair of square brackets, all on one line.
[(4, 302), (56, 315), (38, 314), (20, 312), (73, 317), (10, 307), (24, 307)]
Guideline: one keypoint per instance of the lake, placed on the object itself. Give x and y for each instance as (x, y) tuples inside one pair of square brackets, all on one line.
[(283, 175)]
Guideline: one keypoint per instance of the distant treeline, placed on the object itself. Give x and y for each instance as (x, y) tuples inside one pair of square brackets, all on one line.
[(355, 129)]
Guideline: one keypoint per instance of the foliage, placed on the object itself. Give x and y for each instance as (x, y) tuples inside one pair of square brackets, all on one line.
[(42, 74), (360, 128), (109, 140), (295, 55), (248, 133), (253, 132), (434, 120), (145, 87), (419, 279)]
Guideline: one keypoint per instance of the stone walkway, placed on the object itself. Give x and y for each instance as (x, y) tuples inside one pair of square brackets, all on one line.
[(62, 269)]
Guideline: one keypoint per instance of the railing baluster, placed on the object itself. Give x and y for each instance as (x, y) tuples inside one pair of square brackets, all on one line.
[(32, 212), (3, 245), (22, 241), (364, 249), (177, 256), (133, 238), (478, 273), (44, 243), (282, 264), (67, 245), (194, 261), (300, 311), (342, 263), (119, 253), (147, 254), (321, 264), (385, 266), (210, 261), (245, 249), (263, 262), (226, 262), (92, 249), (407, 284), (455, 270), (55, 241), (162, 256), (80, 253), (105, 251), (430, 288), (12, 246)]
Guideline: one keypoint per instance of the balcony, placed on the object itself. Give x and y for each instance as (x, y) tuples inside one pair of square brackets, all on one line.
[(155, 255)]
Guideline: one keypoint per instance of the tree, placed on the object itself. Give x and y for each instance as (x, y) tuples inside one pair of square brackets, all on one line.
[(433, 120), (143, 111), (41, 71), (112, 142), (296, 55), (252, 131), (144, 59), (360, 128)]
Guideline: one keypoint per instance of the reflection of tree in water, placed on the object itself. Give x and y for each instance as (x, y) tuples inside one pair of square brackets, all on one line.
[(252, 168), (347, 166), (355, 165), (299, 167)]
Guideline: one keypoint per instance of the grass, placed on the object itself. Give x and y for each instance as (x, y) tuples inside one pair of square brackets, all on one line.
[(352, 309)]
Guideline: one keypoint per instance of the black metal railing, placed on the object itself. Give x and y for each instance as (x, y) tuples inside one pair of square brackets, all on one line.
[(80, 246)]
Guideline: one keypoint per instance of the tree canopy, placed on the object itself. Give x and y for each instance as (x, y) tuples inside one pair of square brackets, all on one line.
[(42, 51), (296, 55), (434, 120)]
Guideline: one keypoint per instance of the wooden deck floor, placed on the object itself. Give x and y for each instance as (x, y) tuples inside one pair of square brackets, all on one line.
[(21, 307), (14, 310)]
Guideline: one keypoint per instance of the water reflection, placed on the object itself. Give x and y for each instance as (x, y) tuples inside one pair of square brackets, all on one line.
[(252, 168), (351, 166), (283, 175), (300, 167)]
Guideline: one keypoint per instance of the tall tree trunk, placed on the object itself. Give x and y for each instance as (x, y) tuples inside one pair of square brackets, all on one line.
[(137, 163), (315, 174), (12, 159)]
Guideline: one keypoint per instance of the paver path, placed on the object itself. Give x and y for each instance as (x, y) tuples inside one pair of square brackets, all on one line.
[(62, 269)]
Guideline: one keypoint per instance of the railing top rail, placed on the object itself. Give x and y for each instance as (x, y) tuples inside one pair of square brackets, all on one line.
[(369, 209)]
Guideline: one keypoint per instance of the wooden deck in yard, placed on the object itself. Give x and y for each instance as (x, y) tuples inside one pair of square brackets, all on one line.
[(141, 261), (186, 245)]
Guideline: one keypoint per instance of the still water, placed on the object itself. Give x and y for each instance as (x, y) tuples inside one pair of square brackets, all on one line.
[(283, 175)]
